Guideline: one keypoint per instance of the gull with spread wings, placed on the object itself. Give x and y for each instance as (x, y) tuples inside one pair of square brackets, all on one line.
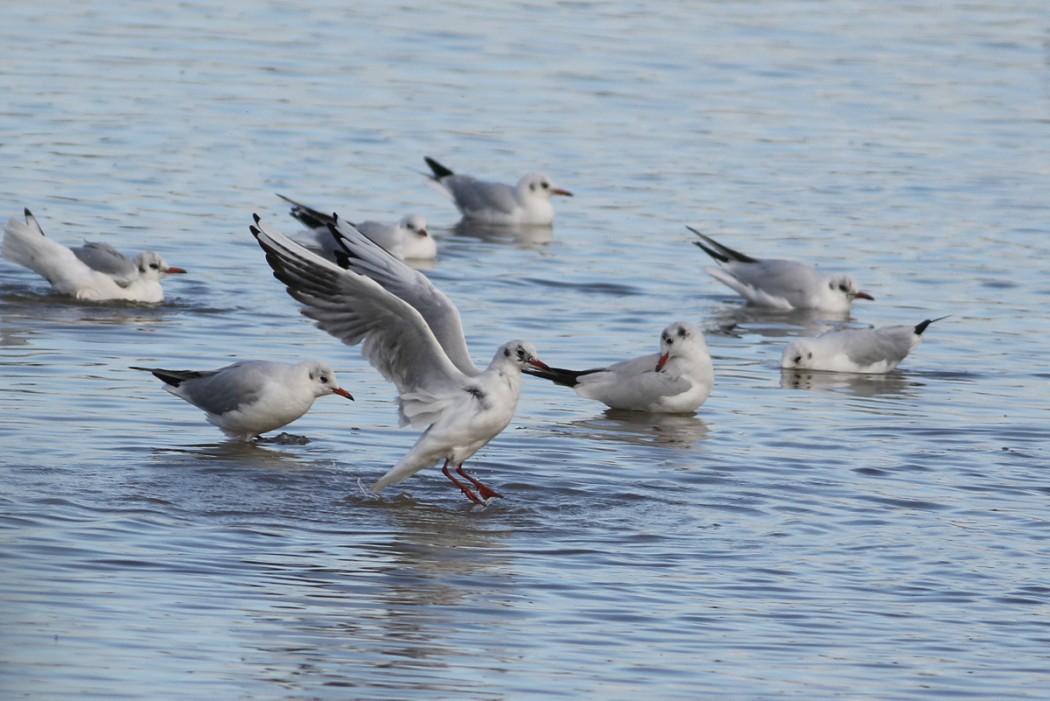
[(412, 334)]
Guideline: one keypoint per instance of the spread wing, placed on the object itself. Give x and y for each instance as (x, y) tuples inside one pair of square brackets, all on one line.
[(395, 338), (365, 257)]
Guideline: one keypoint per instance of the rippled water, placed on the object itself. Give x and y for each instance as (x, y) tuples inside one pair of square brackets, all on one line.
[(816, 536)]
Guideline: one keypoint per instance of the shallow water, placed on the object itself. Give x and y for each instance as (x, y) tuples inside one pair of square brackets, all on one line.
[(808, 536)]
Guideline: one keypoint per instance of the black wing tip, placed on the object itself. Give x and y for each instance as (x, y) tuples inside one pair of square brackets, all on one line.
[(719, 251), (25, 210), (559, 376), (921, 326), (440, 171), (711, 252)]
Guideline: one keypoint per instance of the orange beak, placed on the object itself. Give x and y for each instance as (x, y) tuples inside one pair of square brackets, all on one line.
[(539, 364), (559, 191), (662, 361)]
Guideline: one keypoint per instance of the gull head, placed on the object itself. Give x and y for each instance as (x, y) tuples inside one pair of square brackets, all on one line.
[(539, 185), (676, 339), (322, 379), (151, 265)]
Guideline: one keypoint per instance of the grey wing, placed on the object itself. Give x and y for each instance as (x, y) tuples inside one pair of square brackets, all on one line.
[(230, 388), (781, 278), (396, 339), (891, 343), (105, 259), (365, 257), (475, 195)]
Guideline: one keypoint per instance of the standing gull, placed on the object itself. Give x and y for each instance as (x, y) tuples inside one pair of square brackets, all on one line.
[(676, 380), (461, 406), (855, 350), (527, 203), (779, 284), (94, 272), (252, 397)]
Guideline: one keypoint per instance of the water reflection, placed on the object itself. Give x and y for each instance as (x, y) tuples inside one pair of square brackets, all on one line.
[(644, 429), (856, 384), (267, 454), (524, 236), (771, 323)]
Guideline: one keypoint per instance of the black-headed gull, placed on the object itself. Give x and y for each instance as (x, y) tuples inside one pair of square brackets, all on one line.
[(251, 397), (855, 350), (93, 272), (527, 203), (461, 406), (676, 380), (779, 284), (408, 239)]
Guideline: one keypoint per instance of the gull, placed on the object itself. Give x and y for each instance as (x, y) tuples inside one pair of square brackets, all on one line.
[(461, 406), (676, 380), (779, 284), (408, 239), (93, 272), (855, 350), (251, 397), (526, 203)]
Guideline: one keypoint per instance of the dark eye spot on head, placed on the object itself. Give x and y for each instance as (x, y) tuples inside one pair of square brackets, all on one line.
[(798, 358), (682, 333), (809, 355), (842, 286), (506, 352), (546, 185), (324, 379)]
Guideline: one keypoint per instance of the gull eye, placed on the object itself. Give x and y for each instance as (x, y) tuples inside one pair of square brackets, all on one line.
[(324, 379), (842, 286), (798, 358), (521, 353), (154, 266), (545, 185)]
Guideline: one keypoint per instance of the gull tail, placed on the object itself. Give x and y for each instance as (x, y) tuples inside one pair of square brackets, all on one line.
[(723, 254), (920, 327), (25, 244), (174, 377), (440, 171)]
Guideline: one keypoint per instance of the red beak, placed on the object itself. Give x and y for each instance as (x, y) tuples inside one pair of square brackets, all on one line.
[(539, 364), (174, 271), (662, 361), (863, 295), (343, 393), (559, 191)]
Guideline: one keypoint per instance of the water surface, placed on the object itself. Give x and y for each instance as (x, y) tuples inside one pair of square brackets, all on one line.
[(810, 536)]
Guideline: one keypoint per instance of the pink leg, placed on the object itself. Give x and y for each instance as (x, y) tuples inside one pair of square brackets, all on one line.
[(463, 488), (486, 492)]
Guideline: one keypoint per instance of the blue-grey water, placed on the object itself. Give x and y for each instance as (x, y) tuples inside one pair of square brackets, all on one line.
[(824, 536)]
